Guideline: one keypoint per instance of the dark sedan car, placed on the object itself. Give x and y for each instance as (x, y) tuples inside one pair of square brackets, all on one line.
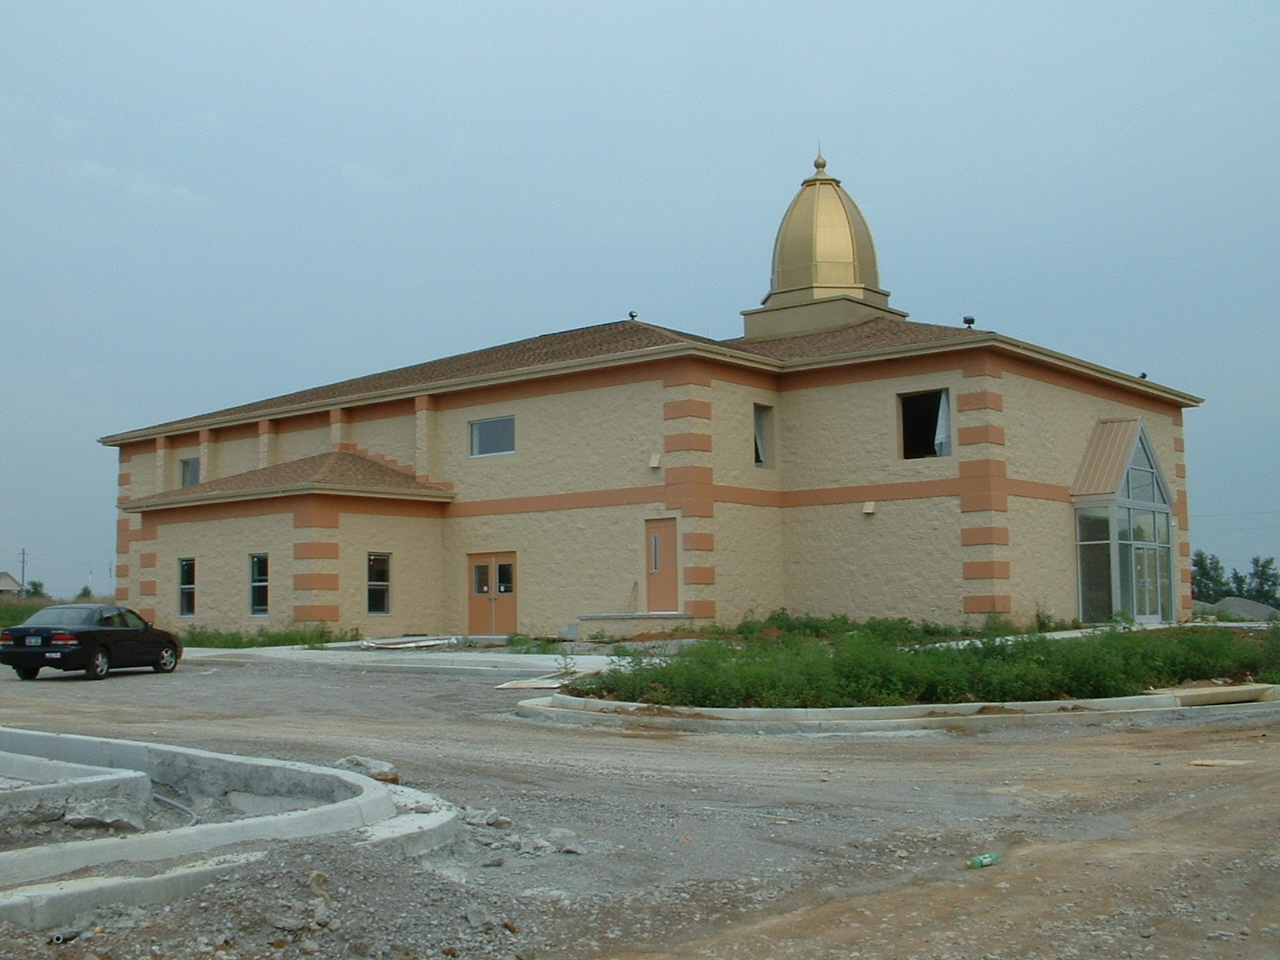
[(93, 637)]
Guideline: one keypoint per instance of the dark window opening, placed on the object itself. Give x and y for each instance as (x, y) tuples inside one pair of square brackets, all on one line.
[(379, 583), (258, 584), (926, 425), (187, 587)]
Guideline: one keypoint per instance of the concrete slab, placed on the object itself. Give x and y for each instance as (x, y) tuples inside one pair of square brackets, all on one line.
[(302, 800)]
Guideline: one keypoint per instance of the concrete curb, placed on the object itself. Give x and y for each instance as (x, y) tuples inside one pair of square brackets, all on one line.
[(408, 821), (562, 708)]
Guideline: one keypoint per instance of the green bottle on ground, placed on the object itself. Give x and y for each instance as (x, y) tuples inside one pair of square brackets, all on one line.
[(983, 860)]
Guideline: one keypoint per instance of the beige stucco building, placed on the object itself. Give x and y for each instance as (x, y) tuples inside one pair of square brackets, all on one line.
[(625, 477)]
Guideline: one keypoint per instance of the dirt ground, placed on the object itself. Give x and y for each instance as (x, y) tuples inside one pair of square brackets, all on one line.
[(1151, 838)]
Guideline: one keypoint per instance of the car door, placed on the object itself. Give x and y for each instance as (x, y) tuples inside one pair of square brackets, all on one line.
[(111, 631), (140, 639)]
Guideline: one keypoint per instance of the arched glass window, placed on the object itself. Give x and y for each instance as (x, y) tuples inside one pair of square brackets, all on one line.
[(1124, 545)]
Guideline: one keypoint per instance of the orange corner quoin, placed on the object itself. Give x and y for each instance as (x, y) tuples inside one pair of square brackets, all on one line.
[(630, 472)]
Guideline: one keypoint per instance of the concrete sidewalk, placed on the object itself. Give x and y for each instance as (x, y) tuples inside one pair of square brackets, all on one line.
[(497, 662)]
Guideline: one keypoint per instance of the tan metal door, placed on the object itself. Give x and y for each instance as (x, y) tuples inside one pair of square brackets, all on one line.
[(661, 588), (491, 585)]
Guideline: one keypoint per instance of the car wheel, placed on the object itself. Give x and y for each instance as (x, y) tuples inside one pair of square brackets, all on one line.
[(27, 673), (98, 666), (168, 659)]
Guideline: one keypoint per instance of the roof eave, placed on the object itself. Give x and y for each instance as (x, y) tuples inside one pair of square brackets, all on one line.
[(287, 490), (642, 355), (998, 341)]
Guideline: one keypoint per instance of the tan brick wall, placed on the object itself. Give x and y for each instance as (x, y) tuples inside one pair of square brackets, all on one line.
[(750, 578), (391, 437), (585, 440), (733, 437), (1043, 568), (296, 444), (568, 562), (222, 571), (848, 433), (418, 578), (905, 560), (232, 457)]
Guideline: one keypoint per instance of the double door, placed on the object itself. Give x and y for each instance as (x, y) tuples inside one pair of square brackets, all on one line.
[(491, 601)]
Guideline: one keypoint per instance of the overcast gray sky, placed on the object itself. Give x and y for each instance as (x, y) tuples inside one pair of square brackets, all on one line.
[(204, 204)]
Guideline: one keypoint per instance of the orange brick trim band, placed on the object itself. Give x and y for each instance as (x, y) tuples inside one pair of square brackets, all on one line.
[(676, 442), (702, 609), (699, 541), (987, 433), (315, 550), (147, 588), (125, 479), (675, 409), (987, 500), (699, 575), (122, 569), (122, 593), (984, 536), (1179, 445), (313, 612), (986, 569), (988, 603), (315, 581), (979, 400), (147, 560)]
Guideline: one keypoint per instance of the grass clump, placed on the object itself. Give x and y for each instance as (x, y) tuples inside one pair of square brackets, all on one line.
[(524, 643), (886, 663), (312, 637)]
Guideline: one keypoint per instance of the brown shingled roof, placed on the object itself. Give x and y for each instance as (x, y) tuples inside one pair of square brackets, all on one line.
[(877, 334), (585, 343), (602, 341), (337, 471)]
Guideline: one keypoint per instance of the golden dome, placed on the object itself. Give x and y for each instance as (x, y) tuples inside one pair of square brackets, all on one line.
[(824, 266), (823, 247)]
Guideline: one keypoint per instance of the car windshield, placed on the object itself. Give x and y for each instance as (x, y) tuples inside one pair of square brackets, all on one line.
[(60, 617)]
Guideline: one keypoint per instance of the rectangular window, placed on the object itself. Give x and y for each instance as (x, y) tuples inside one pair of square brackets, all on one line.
[(926, 424), (258, 584), (763, 425), (506, 578), (187, 587), (493, 436), (189, 472), (379, 583)]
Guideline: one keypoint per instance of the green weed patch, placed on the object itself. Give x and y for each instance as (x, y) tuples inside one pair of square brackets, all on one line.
[(312, 637), (886, 663)]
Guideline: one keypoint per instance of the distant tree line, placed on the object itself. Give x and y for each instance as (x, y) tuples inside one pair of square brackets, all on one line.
[(1210, 581)]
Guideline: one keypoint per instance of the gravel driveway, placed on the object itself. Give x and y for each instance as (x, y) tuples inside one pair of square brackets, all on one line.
[(1119, 839)]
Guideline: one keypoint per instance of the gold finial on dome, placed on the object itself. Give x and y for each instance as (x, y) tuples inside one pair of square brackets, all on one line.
[(820, 163)]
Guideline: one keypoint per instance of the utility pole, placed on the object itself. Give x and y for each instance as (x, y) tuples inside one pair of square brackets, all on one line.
[(22, 559)]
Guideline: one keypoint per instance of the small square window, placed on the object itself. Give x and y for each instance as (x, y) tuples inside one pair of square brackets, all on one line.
[(189, 472), (493, 436), (379, 583), (926, 424)]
